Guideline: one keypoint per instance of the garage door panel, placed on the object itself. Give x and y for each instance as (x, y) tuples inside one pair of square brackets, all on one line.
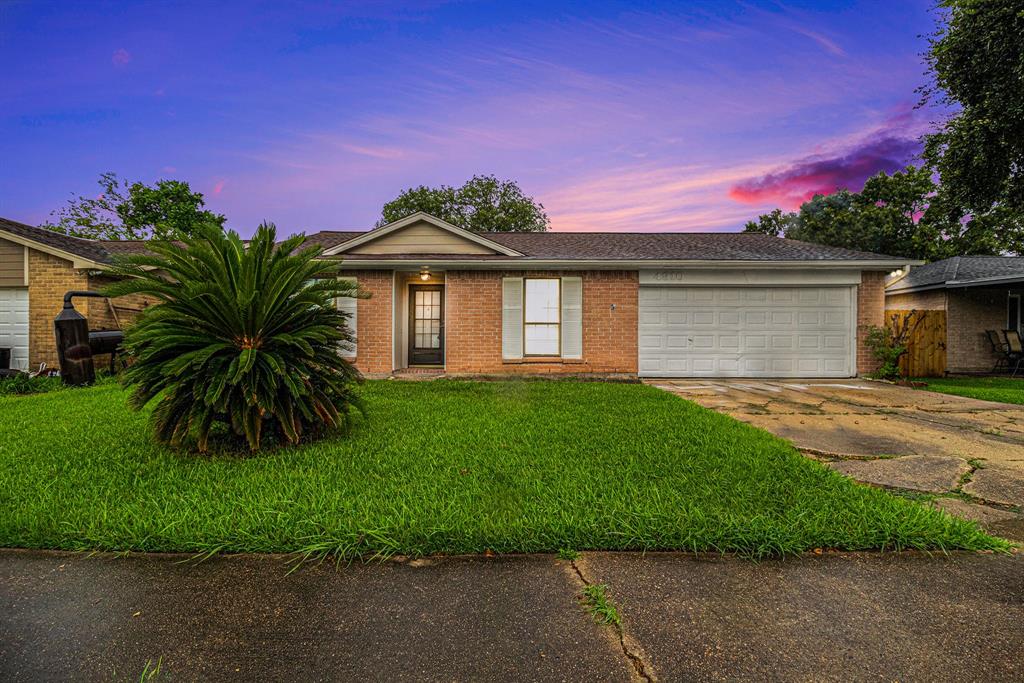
[(14, 325), (746, 331)]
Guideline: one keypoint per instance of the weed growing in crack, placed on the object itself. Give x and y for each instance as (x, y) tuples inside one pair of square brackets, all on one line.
[(597, 602)]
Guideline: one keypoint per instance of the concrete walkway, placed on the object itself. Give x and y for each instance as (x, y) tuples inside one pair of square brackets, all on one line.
[(969, 452), (834, 617)]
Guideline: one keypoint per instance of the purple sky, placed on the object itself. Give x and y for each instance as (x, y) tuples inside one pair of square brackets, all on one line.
[(617, 116)]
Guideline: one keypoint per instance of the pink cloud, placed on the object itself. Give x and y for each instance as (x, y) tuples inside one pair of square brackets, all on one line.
[(121, 57), (218, 186), (792, 185)]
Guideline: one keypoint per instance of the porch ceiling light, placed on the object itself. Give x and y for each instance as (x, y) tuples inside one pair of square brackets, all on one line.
[(425, 273)]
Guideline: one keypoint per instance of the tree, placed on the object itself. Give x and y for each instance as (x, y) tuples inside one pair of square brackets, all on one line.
[(483, 204), (903, 214), (976, 62), (244, 339), (134, 211)]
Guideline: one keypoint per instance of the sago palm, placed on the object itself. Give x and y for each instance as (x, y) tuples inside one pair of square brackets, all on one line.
[(243, 335)]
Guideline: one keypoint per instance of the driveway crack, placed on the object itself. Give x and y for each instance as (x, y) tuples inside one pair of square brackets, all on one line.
[(630, 651)]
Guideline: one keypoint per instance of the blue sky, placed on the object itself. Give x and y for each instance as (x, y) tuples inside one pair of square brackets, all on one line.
[(617, 116)]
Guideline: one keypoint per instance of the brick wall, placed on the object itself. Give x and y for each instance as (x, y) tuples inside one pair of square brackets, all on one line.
[(49, 277), (970, 312), (935, 300), (374, 348), (870, 312), (473, 328)]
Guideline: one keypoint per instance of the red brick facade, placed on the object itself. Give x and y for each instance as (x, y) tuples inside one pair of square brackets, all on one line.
[(473, 327), (870, 312), (374, 347), (473, 319)]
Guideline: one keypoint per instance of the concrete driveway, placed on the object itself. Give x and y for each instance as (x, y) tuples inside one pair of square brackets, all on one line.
[(966, 452)]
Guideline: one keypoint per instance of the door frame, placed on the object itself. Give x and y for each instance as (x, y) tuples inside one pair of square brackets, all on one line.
[(411, 328)]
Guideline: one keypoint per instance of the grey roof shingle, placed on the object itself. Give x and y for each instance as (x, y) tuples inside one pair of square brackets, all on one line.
[(638, 246), (568, 246), (961, 271)]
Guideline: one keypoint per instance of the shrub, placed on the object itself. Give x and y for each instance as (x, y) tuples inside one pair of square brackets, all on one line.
[(889, 344), (244, 339), (23, 383)]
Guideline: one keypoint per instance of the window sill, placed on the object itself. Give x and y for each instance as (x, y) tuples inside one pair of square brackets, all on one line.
[(542, 359)]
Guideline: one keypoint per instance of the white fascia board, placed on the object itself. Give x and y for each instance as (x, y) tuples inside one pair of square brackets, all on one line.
[(611, 264)]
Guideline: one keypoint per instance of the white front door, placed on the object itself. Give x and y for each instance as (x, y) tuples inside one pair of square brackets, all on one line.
[(747, 331), (14, 325)]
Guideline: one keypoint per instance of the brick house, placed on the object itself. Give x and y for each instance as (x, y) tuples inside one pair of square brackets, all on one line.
[(978, 293), (616, 304)]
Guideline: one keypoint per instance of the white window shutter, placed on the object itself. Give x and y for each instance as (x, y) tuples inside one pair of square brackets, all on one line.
[(572, 317), (350, 305), (512, 317)]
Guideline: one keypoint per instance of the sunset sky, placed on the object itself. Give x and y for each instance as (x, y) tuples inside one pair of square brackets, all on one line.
[(672, 116)]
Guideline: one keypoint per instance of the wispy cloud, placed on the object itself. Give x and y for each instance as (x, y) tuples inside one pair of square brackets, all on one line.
[(649, 198)]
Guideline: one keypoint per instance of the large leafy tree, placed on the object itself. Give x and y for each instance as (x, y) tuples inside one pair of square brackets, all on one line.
[(134, 211), (976, 60), (482, 204), (903, 214), (244, 339)]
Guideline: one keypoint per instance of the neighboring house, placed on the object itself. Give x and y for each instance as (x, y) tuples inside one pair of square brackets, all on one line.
[(978, 293), (648, 304), (37, 267)]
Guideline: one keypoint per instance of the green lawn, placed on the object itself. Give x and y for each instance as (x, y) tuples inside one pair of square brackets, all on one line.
[(447, 467), (1002, 389)]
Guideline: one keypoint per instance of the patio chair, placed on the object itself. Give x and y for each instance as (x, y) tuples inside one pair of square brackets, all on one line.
[(1014, 350), (995, 338)]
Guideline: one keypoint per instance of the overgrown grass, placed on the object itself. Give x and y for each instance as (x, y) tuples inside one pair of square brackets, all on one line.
[(1001, 389), (447, 467)]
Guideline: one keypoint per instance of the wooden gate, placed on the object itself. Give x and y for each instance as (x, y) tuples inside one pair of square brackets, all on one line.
[(926, 355)]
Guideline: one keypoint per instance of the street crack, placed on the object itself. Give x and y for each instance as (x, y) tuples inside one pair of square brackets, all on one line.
[(641, 668)]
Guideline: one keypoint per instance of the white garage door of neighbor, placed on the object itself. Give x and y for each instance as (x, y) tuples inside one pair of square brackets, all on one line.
[(747, 331), (14, 325)]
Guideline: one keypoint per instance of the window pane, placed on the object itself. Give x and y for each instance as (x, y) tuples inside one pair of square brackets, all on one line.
[(541, 301), (1013, 313), (542, 340)]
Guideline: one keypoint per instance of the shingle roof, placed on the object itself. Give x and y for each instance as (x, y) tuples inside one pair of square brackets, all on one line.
[(569, 246), (88, 249), (961, 271), (638, 246)]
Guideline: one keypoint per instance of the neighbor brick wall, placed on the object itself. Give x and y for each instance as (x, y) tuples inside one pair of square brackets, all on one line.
[(870, 312), (49, 277), (374, 348), (473, 327), (969, 313), (935, 300)]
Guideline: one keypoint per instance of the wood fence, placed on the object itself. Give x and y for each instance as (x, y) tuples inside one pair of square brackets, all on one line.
[(926, 355)]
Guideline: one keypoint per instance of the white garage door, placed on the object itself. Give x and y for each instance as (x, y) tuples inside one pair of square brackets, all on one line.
[(14, 325), (747, 331)]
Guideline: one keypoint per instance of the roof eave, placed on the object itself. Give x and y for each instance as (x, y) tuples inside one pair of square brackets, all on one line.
[(959, 284), (626, 264), (77, 261)]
